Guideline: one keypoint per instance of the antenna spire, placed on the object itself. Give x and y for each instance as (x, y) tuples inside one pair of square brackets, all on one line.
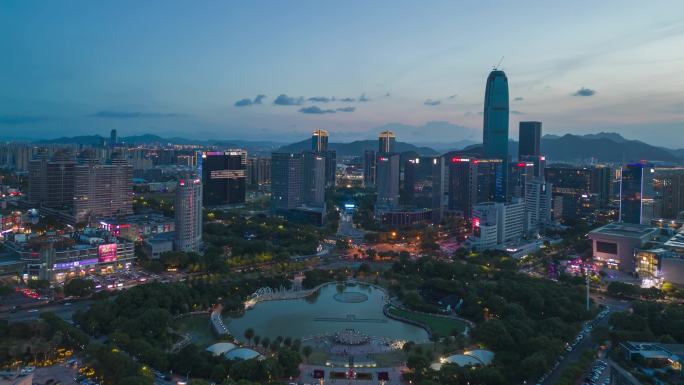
[(496, 67)]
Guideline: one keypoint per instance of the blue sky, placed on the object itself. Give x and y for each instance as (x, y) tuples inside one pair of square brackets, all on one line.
[(178, 68)]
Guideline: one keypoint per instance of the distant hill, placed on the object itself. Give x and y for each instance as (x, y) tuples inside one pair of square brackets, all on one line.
[(358, 147), (605, 148)]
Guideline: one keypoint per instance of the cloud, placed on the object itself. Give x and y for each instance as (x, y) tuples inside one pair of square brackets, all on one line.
[(134, 114), (346, 109), (347, 100), (430, 102), (321, 99), (363, 98), (259, 98), (248, 102), (20, 119), (243, 103), (284, 100), (517, 99), (584, 92), (315, 110), (516, 112)]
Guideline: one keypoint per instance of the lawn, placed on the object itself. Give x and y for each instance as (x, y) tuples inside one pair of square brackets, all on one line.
[(441, 325)]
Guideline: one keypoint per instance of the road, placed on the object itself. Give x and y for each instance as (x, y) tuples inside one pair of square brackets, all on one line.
[(346, 227), (586, 343), (63, 311)]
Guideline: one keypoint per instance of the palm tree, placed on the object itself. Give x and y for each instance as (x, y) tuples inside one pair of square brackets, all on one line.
[(249, 334), (256, 340)]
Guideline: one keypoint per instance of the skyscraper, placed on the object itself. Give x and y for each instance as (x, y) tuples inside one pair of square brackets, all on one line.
[(387, 180), (319, 141), (286, 180), (369, 168), (223, 176), (636, 193), (529, 139), (112, 138), (495, 129), (386, 142), (313, 178), (188, 215), (319, 145), (102, 190)]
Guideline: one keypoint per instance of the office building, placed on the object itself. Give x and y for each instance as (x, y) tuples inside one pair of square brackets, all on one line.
[(670, 190), (538, 205), (60, 180), (386, 142), (369, 168), (319, 141), (112, 138), (258, 171), (319, 145), (496, 223), (286, 180), (313, 178), (37, 179), (474, 181), (529, 139), (636, 193), (462, 185), (224, 177), (495, 130), (422, 182), (387, 180), (188, 215), (519, 174), (601, 180)]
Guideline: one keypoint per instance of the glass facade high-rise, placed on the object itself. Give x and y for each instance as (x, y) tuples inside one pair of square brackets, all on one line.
[(529, 139), (386, 142), (224, 176), (495, 128), (319, 141), (188, 215), (636, 193)]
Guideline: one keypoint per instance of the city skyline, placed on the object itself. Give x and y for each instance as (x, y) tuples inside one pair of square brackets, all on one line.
[(403, 66)]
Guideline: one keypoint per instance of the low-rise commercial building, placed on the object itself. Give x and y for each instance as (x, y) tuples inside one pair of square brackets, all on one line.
[(56, 257), (615, 244)]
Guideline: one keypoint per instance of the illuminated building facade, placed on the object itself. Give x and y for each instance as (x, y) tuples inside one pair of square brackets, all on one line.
[(224, 177)]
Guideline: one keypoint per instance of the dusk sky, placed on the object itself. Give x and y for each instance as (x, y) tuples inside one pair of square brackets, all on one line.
[(269, 70)]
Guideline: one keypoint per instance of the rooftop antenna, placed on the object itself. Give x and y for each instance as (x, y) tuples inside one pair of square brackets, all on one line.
[(496, 67)]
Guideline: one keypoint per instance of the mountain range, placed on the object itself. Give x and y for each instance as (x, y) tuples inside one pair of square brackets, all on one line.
[(603, 146)]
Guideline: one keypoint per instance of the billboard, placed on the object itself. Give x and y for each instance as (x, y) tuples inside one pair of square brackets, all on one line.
[(106, 253)]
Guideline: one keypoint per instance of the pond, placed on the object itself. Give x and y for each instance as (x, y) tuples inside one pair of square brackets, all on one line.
[(333, 308)]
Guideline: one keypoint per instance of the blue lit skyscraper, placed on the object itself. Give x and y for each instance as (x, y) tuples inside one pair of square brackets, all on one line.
[(495, 130), (636, 193)]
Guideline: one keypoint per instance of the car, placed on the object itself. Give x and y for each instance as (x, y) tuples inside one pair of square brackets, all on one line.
[(32, 310)]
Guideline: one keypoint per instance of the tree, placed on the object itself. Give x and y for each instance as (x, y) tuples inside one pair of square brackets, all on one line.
[(306, 351), (249, 334), (265, 342), (38, 284), (78, 287), (256, 340)]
